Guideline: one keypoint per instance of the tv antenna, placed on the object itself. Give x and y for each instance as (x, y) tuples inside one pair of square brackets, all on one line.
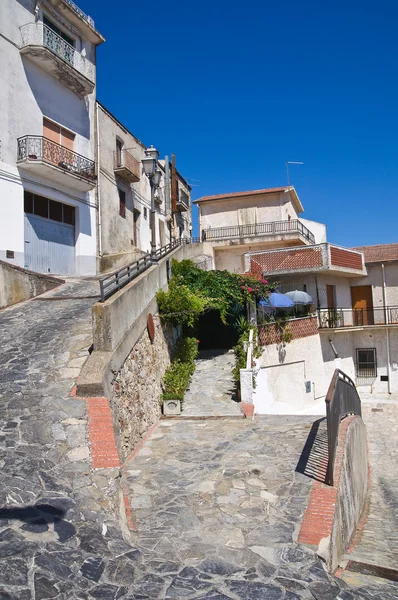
[(291, 162)]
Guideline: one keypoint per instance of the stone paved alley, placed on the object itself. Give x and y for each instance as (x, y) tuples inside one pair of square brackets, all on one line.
[(217, 504), (212, 391)]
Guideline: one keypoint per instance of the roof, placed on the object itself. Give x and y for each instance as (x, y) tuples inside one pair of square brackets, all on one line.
[(250, 193), (379, 253)]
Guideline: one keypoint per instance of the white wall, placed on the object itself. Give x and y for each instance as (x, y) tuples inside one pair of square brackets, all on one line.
[(280, 383), (27, 94), (283, 371), (318, 229), (223, 213)]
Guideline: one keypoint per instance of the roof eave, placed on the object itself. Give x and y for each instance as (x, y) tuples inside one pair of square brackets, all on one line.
[(296, 200)]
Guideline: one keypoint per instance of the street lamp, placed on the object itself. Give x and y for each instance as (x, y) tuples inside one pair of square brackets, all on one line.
[(154, 174)]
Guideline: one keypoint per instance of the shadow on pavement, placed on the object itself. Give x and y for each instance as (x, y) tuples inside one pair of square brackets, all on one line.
[(314, 456)]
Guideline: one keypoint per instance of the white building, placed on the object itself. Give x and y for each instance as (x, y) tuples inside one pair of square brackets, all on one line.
[(124, 197), (353, 326), (47, 168), (234, 223)]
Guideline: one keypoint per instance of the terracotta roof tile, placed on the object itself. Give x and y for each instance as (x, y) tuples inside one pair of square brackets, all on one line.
[(379, 253), (240, 194)]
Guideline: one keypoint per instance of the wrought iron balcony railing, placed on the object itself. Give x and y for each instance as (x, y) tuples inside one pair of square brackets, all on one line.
[(35, 147), (331, 318), (125, 165), (81, 14), (258, 230), (38, 34)]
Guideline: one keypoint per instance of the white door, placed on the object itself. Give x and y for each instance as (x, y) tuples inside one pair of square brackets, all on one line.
[(49, 246)]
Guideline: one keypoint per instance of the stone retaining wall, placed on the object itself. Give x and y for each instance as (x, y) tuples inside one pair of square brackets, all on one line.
[(137, 387)]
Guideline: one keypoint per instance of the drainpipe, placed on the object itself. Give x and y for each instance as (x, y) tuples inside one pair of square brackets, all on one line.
[(98, 186), (387, 330)]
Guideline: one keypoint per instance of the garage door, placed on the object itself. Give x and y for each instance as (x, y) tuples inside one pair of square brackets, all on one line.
[(49, 243)]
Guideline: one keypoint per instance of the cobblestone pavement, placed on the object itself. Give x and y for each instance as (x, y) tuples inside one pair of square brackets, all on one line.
[(60, 531), (218, 505), (58, 537), (378, 544), (212, 391)]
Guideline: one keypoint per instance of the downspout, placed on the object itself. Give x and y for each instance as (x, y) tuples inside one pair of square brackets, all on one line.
[(387, 330), (169, 216), (98, 186)]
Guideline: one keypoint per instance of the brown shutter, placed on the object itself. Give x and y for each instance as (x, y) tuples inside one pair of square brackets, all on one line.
[(67, 139), (51, 131)]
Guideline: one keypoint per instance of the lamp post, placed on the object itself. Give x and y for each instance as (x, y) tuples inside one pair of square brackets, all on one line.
[(154, 174)]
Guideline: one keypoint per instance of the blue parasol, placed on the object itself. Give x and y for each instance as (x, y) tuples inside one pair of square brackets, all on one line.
[(277, 300)]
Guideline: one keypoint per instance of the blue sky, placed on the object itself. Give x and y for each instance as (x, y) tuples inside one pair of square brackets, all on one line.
[(236, 89)]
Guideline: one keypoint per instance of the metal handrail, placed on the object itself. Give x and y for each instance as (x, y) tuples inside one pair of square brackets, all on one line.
[(267, 228), (123, 159), (331, 318), (81, 14), (114, 282), (342, 399)]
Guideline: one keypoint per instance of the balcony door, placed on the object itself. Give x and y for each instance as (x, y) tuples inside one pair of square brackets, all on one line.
[(57, 144), (362, 305)]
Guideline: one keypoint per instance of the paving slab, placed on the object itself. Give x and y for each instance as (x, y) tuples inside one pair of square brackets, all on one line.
[(213, 391), (217, 507)]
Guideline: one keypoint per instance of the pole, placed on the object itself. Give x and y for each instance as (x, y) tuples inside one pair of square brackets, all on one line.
[(153, 221)]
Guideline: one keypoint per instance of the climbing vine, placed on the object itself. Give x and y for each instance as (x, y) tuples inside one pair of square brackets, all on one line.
[(193, 291)]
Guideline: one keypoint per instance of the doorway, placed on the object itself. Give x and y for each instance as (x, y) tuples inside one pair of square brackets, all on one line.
[(362, 305)]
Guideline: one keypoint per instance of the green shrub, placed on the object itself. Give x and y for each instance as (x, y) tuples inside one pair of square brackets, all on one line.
[(187, 350), (179, 305), (177, 377)]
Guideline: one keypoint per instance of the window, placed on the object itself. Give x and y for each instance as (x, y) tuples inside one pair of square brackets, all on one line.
[(366, 362), (48, 209), (145, 212), (59, 42), (55, 211), (58, 134), (58, 31), (119, 147), (122, 203)]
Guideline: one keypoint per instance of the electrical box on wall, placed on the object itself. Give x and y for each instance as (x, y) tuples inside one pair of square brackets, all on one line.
[(307, 387)]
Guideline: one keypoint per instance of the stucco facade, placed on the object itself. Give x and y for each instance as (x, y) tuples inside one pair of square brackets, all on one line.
[(39, 84), (345, 334), (232, 224), (125, 232)]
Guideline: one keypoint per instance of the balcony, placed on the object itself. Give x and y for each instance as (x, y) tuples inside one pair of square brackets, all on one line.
[(336, 318), (182, 204), (126, 166), (273, 228), (53, 54), (48, 159), (306, 259)]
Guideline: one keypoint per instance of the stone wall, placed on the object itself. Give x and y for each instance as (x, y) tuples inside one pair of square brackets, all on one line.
[(137, 387)]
